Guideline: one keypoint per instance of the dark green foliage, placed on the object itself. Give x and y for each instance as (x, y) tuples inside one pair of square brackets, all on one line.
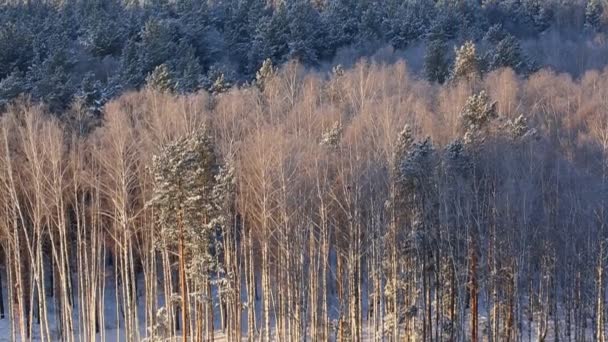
[(436, 66), (16, 49), (160, 79), (304, 32), (593, 15), (507, 53), (186, 68), (54, 47), (270, 40), (11, 87)]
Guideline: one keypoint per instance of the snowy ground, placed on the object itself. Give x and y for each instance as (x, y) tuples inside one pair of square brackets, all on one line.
[(113, 333)]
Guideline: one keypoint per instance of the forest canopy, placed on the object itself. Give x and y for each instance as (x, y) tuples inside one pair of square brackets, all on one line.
[(295, 170), (61, 52)]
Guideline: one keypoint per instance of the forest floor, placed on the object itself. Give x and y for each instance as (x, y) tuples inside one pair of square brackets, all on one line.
[(114, 332)]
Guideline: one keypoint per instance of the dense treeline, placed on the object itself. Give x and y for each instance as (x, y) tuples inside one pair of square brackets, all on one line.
[(87, 52), (361, 205)]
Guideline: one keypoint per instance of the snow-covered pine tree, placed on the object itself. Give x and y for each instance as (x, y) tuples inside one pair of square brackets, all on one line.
[(131, 71), (507, 53), (331, 137), (49, 76), (466, 65), (396, 207), (342, 21), (185, 174), (11, 86), (160, 79), (271, 39), (186, 69), (103, 34), (158, 44), (266, 71), (436, 66), (593, 15), (15, 48), (305, 33), (476, 115)]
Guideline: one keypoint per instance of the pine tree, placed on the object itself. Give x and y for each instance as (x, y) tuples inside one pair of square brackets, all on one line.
[(217, 80), (49, 77), (243, 20), (507, 53), (402, 146), (331, 137), (370, 25), (495, 34), (91, 93), (593, 15), (435, 62), (466, 65), (264, 74), (476, 116), (186, 69), (271, 39), (304, 32), (103, 35), (342, 21), (403, 26), (16, 50), (131, 72), (158, 43), (11, 86), (185, 174), (160, 79)]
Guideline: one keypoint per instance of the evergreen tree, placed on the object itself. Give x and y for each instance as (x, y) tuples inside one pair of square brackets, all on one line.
[(186, 69), (304, 32), (403, 26), (342, 20), (241, 27), (466, 65), (593, 15), (103, 35), (16, 50), (507, 53), (11, 86), (49, 76), (331, 137), (476, 116), (91, 94), (185, 175), (271, 39), (131, 71), (264, 74), (217, 80), (160, 79), (436, 66), (370, 24), (495, 34), (158, 43)]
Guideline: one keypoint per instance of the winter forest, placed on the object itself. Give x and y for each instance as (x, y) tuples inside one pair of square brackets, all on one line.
[(303, 170)]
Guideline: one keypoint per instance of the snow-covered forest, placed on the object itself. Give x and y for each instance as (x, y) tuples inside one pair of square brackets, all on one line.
[(298, 170)]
